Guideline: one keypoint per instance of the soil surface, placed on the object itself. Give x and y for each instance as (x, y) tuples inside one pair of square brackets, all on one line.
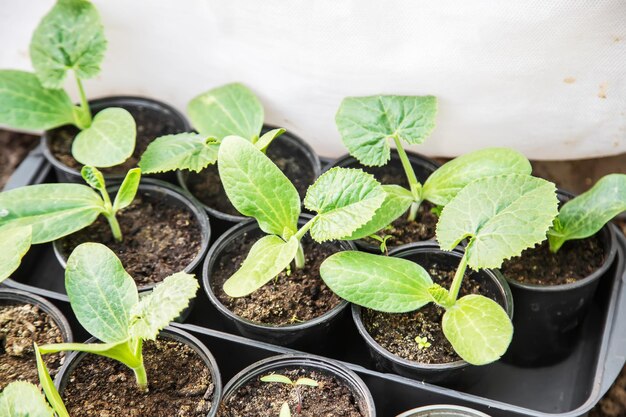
[(15, 147), (288, 299), (403, 231), (151, 124), (330, 398), (160, 239), (179, 385), (574, 261), (20, 326), (396, 332), (207, 186)]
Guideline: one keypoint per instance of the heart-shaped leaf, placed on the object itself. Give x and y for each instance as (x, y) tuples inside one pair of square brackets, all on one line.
[(190, 151)]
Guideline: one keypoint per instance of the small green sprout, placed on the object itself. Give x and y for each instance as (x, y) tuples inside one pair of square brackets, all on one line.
[(285, 411), (383, 242), (422, 342)]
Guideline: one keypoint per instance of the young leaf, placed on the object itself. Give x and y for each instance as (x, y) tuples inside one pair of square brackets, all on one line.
[(109, 141), (25, 104), (443, 184), (231, 109), (365, 124), (307, 381), (265, 140), (382, 283), (70, 36), (191, 151), (14, 243), (257, 188), (584, 215), (48, 386), (284, 410), (281, 379), (94, 178), (479, 329), (53, 210), (502, 215), (101, 292), (160, 307), (267, 258), (23, 399), (128, 190), (345, 199)]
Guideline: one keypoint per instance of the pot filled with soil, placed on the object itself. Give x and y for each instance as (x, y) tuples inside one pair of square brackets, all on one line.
[(413, 344), (295, 158), (15, 147), (24, 319), (164, 231), (153, 119), (183, 381), (305, 385), (442, 411), (295, 309)]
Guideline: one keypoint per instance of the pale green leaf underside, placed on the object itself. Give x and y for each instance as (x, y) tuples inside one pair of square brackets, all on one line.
[(14, 243), (101, 292), (443, 184), (267, 138), (191, 151), (584, 215), (70, 36), (53, 210), (25, 104), (258, 188), (365, 124), (345, 199), (284, 410), (382, 283), (478, 328), (161, 306), (231, 109), (48, 386), (23, 399), (306, 381), (128, 190), (109, 141), (281, 379), (267, 258), (503, 215), (397, 202), (93, 177)]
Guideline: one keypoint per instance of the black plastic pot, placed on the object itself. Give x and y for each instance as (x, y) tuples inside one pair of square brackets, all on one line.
[(297, 334), (455, 373), (161, 111), (422, 165), (278, 364), (223, 221), (63, 378), (443, 411)]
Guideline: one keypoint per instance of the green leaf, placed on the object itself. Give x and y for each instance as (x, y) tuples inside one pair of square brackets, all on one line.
[(440, 295), (397, 202), (345, 199), (123, 351), (190, 151), (231, 109), (478, 328), (281, 379), (70, 36), (584, 215), (23, 399), (443, 184), (307, 381), (265, 140), (267, 258), (109, 141), (159, 308), (128, 190), (14, 243), (101, 293), (382, 283), (25, 104), (48, 386), (365, 124), (94, 178), (502, 215), (257, 188), (284, 410), (53, 210)]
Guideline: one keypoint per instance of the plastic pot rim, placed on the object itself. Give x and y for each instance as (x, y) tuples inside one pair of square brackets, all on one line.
[(439, 409)]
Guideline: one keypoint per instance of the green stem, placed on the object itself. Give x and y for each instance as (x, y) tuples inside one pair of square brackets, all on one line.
[(84, 105), (414, 185), (458, 279), (413, 211), (115, 226), (300, 233), (299, 260), (142, 377)]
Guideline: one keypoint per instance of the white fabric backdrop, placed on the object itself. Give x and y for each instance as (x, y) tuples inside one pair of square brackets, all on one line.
[(545, 77)]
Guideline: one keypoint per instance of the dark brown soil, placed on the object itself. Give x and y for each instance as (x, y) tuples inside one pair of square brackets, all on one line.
[(288, 299), (20, 326), (574, 261), (15, 147), (179, 385), (403, 231), (159, 238), (396, 332), (264, 399), (151, 124), (207, 186)]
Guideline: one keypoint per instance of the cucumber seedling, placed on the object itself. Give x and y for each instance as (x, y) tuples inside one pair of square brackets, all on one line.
[(501, 216), (106, 302), (69, 37), (285, 411)]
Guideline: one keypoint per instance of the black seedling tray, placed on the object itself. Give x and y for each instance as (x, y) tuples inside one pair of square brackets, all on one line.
[(569, 388)]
